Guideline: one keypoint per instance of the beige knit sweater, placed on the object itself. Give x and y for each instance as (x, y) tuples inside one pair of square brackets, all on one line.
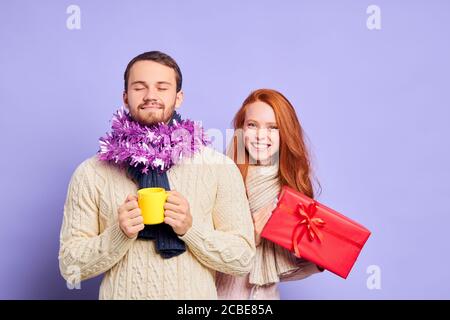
[(221, 237)]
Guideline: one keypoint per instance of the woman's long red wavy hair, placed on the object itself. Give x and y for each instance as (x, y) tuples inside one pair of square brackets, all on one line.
[(294, 162)]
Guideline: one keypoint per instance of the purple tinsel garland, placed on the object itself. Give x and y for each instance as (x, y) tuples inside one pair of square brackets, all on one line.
[(156, 147)]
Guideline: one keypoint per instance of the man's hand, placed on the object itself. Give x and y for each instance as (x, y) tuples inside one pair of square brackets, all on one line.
[(260, 219), (177, 213), (130, 218)]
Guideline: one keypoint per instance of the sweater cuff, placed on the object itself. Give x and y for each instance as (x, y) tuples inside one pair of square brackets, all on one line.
[(193, 236), (118, 238)]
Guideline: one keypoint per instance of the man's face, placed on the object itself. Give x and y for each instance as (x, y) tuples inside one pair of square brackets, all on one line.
[(151, 96)]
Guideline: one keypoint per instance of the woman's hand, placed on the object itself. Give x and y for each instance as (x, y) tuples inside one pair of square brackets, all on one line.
[(260, 219)]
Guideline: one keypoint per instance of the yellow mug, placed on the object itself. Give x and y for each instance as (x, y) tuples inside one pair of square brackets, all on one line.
[(151, 202)]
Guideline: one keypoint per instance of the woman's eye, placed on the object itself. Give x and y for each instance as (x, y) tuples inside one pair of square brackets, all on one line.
[(251, 125)]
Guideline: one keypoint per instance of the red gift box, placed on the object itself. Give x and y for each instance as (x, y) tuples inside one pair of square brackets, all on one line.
[(315, 232)]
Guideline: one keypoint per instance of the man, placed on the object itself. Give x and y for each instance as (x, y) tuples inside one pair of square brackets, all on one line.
[(207, 224)]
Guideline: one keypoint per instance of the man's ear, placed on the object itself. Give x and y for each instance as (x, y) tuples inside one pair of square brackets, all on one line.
[(179, 99), (125, 99)]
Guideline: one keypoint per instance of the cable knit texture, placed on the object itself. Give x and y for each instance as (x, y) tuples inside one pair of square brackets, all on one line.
[(221, 237)]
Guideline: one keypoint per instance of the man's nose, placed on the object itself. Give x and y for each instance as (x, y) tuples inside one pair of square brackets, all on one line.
[(151, 94)]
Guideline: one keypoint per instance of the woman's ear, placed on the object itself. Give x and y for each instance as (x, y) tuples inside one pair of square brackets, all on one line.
[(179, 99)]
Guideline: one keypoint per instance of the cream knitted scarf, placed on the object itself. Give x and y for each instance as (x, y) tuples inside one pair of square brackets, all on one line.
[(271, 261)]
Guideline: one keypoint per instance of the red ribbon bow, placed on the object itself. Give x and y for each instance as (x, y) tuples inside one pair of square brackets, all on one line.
[(312, 225)]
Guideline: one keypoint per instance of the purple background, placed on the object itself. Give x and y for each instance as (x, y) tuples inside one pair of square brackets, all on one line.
[(375, 106)]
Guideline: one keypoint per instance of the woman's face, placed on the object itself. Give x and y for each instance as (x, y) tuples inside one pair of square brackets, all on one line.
[(261, 135)]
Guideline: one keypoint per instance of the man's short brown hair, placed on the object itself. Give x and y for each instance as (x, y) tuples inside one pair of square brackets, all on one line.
[(158, 57)]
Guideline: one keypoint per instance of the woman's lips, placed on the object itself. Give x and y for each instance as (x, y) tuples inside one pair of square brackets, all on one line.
[(260, 146)]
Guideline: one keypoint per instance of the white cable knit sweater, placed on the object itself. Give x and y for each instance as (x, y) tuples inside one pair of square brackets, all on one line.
[(221, 237)]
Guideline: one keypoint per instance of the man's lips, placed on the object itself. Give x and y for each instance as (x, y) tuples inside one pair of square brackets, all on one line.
[(150, 106)]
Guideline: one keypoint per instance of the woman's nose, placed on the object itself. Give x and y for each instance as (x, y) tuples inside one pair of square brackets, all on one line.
[(262, 134)]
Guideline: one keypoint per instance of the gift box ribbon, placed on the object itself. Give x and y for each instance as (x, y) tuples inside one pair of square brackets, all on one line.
[(307, 224), (310, 226)]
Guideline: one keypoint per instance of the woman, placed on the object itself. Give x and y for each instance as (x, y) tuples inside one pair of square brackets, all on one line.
[(270, 152)]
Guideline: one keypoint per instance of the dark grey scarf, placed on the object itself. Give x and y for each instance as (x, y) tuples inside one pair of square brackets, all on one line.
[(168, 244)]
